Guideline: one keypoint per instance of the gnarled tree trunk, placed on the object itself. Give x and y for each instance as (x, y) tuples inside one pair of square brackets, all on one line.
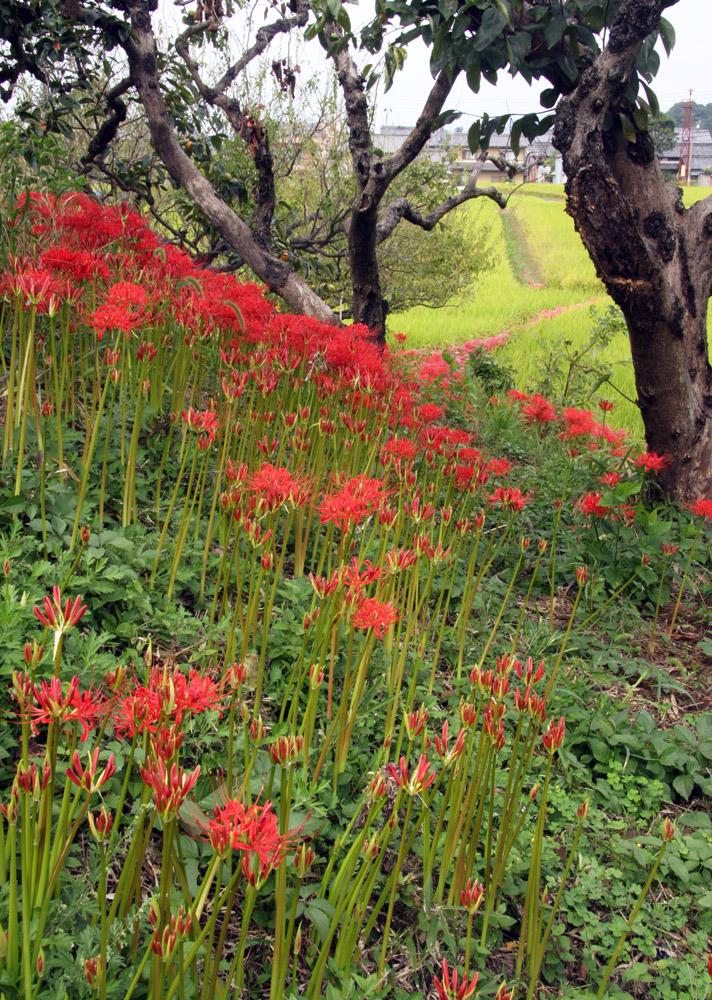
[(653, 255)]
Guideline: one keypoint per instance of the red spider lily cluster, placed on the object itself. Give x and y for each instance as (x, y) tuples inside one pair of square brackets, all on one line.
[(327, 459)]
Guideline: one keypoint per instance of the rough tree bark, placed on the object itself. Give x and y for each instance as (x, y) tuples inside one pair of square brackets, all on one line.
[(654, 256), (374, 174)]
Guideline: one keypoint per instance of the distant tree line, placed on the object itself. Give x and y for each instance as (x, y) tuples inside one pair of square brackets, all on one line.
[(701, 115)]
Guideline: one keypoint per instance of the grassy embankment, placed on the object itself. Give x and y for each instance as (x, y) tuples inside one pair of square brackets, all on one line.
[(541, 289)]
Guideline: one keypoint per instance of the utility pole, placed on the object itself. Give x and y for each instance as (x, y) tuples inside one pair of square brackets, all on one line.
[(683, 167)]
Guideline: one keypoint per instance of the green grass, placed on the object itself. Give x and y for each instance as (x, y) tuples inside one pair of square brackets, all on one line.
[(497, 302), (535, 238), (530, 352), (554, 243)]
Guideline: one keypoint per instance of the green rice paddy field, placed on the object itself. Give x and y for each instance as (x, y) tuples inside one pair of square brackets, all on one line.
[(541, 290)]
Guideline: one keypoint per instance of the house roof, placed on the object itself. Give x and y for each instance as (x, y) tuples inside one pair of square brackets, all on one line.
[(701, 157)]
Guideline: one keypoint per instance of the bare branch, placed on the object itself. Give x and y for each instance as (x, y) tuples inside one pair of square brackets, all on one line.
[(264, 36), (141, 50), (401, 208)]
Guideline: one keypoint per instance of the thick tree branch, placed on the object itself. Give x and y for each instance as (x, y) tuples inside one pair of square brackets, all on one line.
[(109, 128), (277, 275), (423, 129), (244, 124)]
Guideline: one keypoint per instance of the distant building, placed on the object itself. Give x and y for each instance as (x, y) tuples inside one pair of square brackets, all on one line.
[(700, 161), (453, 146)]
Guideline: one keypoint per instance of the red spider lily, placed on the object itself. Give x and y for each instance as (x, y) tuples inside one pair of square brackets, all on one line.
[(652, 462), (610, 479), (430, 412), (286, 750), (170, 787), (169, 695), (582, 575), (163, 942), (536, 707), (702, 508), (399, 447), (554, 735), (709, 966), (93, 969), (371, 613), (30, 780), (582, 811), (357, 498), (509, 498), (418, 513), (448, 988), (502, 992), (447, 755), (88, 777), (138, 711), (253, 830), (303, 860), (101, 825), (399, 560), (323, 587), (669, 549), (421, 779), (278, 486), (204, 422), (606, 405), (355, 576), (60, 619), (472, 895), (36, 287), (414, 722), (468, 714), (527, 674), (591, 504), (257, 731), (494, 724), (166, 742), (668, 830), (115, 316), (538, 410), (50, 705)]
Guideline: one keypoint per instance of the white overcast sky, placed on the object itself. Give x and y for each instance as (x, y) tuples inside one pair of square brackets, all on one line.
[(688, 68)]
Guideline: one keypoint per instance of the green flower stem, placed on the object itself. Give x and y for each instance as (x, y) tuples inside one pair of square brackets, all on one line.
[(25, 389), (631, 920), (394, 888), (612, 598), (541, 948), (87, 462), (684, 579), (666, 559), (557, 521), (530, 918), (171, 505), (564, 642)]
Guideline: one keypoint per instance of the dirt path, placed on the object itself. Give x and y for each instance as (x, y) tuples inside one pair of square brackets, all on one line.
[(521, 258)]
